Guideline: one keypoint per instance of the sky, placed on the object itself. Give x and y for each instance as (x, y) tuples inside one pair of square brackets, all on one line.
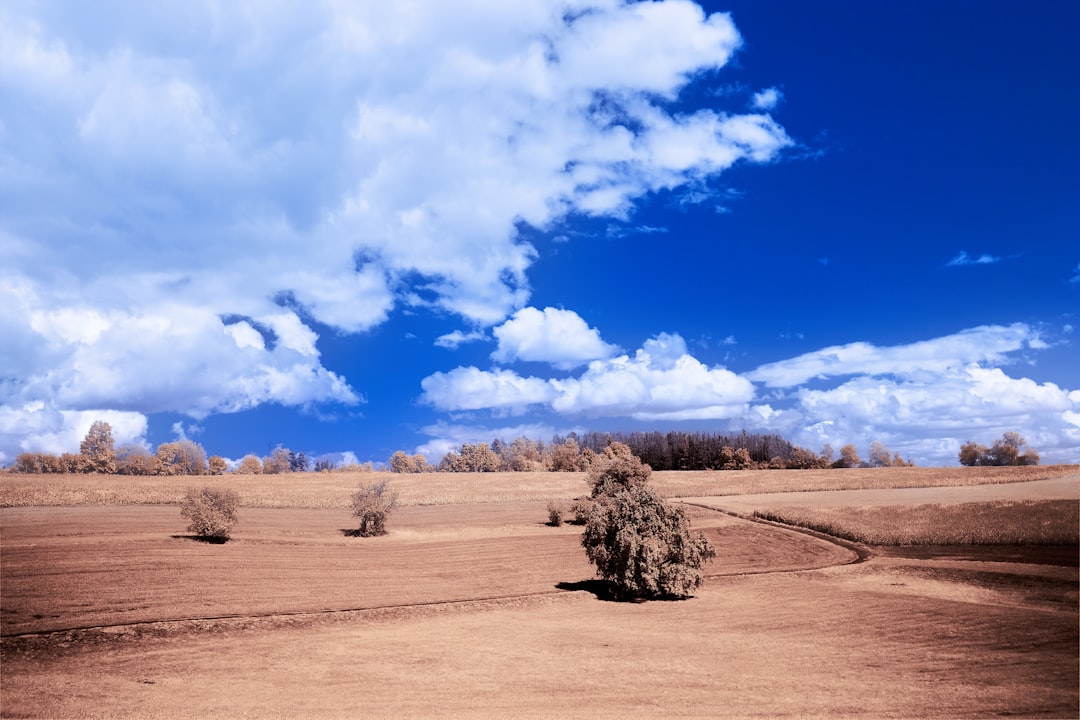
[(351, 228)]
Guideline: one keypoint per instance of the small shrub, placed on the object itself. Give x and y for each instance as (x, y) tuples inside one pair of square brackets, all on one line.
[(555, 512), (371, 503), (212, 512), (581, 508)]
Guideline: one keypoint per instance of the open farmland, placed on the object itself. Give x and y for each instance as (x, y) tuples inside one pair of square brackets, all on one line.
[(331, 490), (473, 607)]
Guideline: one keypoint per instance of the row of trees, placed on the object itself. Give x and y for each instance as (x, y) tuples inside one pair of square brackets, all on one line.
[(573, 453), (98, 454), (1010, 449), (670, 451)]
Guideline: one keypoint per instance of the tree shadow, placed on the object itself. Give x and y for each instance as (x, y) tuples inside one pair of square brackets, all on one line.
[(608, 592), (353, 532), (209, 540), (602, 589)]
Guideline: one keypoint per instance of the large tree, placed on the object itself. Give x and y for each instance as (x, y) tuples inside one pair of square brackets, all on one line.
[(638, 542), (99, 448)]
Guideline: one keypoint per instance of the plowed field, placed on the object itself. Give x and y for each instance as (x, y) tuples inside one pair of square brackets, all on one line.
[(481, 610)]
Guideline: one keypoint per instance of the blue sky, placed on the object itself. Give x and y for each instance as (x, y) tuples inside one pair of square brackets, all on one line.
[(363, 227)]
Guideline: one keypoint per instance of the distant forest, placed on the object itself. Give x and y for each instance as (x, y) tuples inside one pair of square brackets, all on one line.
[(702, 451)]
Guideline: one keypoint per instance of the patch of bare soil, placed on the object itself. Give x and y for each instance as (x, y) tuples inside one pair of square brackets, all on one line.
[(458, 612)]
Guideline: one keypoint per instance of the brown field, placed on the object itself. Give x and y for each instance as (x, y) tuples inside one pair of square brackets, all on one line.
[(473, 607), (332, 490)]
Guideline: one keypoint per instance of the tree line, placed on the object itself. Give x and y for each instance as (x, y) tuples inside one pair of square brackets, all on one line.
[(660, 451), (571, 453), (98, 454)]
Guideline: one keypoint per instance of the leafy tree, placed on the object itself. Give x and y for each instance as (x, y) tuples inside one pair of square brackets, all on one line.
[(182, 457), (371, 503), (136, 460), (879, 455), (735, 459), (99, 448), (566, 456), (28, 463), (524, 455), (250, 464), (803, 459), (639, 543), (400, 462), (217, 465), (472, 458), (849, 457), (1010, 449), (615, 469), (277, 462), (972, 453), (212, 512)]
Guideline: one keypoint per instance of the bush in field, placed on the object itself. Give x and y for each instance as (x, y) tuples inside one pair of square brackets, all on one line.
[(555, 511), (644, 546), (212, 512), (636, 540), (371, 503)]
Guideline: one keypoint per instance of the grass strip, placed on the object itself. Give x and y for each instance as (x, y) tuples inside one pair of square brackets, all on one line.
[(1027, 522)]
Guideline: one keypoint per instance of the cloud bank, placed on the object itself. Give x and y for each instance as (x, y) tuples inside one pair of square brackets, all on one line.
[(189, 188), (923, 399)]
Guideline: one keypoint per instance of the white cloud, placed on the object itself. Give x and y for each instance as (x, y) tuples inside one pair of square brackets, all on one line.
[(766, 99), (982, 344), (964, 259), (922, 400), (469, 388), (661, 382), (40, 427), (551, 335), (1076, 275), (457, 338), (171, 164), (930, 417)]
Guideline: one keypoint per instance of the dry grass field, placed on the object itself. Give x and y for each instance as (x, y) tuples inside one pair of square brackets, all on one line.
[(1036, 522), (332, 490), (472, 606)]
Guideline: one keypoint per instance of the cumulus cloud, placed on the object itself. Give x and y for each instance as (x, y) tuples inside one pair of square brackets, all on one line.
[(766, 99), (187, 185), (469, 388), (930, 418), (962, 258), (40, 427), (662, 381), (551, 335), (923, 399), (989, 343)]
